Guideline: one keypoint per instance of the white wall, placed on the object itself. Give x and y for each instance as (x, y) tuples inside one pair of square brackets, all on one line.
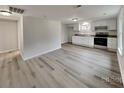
[(40, 36), (8, 35), (121, 30), (64, 34)]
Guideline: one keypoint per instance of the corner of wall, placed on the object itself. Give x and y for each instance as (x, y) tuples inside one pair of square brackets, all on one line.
[(37, 55)]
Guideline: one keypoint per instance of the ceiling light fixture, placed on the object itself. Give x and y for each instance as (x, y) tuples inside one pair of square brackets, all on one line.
[(75, 19), (4, 10), (5, 13), (77, 6)]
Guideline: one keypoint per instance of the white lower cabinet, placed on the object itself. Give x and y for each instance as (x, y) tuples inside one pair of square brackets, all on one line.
[(84, 41), (89, 42), (112, 43)]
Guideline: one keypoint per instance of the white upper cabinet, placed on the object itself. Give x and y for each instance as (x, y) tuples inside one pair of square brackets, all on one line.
[(110, 23), (100, 23)]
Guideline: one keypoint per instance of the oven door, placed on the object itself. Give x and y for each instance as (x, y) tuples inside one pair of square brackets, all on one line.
[(100, 41)]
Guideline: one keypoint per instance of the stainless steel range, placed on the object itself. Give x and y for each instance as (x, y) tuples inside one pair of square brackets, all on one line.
[(100, 40)]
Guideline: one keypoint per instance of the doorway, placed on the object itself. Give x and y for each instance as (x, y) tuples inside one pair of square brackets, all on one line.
[(8, 35)]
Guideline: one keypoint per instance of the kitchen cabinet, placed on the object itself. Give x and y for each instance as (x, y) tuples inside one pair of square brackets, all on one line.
[(100, 23), (76, 40), (89, 42), (83, 40), (112, 43), (111, 24)]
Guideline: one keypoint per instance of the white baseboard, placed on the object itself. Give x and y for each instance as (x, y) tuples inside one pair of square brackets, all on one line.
[(36, 55), (21, 53), (121, 65), (5, 51), (64, 42)]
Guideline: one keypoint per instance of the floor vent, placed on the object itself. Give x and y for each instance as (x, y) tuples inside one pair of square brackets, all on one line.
[(16, 10)]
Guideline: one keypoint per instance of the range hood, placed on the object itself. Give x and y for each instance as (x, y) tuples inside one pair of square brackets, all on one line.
[(101, 28)]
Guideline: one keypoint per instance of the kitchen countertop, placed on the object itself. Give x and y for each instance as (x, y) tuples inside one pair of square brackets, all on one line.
[(84, 35), (112, 36), (88, 35)]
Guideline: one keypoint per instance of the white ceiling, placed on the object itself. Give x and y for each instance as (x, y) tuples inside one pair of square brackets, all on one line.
[(66, 12)]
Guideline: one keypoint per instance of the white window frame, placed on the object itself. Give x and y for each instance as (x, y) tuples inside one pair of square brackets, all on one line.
[(85, 26)]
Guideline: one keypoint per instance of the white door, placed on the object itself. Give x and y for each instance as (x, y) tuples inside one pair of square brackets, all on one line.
[(8, 35)]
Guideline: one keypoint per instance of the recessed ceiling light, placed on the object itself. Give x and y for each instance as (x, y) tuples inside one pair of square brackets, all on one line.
[(77, 6), (75, 19), (5, 13)]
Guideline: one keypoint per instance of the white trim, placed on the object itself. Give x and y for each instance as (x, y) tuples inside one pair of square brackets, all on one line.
[(19, 19), (120, 61), (39, 54), (119, 51), (64, 42), (21, 53)]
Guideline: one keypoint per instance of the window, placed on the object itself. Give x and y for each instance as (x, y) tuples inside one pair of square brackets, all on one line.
[(85, 26)]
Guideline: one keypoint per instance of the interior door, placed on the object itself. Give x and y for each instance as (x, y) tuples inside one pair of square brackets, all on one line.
[(8, 35)]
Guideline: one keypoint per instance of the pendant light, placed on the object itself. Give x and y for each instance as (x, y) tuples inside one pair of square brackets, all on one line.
[(75, 13)]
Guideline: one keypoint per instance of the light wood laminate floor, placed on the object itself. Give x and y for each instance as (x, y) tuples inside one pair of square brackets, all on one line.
[(70, 66)]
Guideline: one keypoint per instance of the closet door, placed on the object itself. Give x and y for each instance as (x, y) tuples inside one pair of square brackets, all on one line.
[(8, 36)]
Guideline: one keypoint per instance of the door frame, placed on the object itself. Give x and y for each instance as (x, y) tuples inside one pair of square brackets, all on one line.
[(19, 19)]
